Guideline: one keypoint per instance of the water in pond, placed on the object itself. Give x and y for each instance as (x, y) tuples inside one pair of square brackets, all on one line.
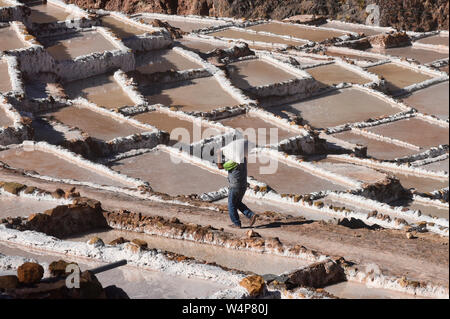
[(167, 176), (435, 40), (48, 13), (5, 82), (102, 90), (9, 39), (121, 28), (333, 74), (398, 77), (253, 73), (368, 31), (414, 131), (137, 283), (185, 25), (350, 56), (421, 184), (438, 166), (95, 124), (337, 108), (435, 211), (201, 46), (421, 55), (355, 290), (247, 36), (164, 60), (287, 179), (431, 100), (167, 122), (258, 131), (230, 258), (13, 206), (297, 31), (73, 45), (377, 149), (51, 165), (203, 95)]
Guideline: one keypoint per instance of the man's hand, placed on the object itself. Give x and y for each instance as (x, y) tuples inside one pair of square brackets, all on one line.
[(220, 165)]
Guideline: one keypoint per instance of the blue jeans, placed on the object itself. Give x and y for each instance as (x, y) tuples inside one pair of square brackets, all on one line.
[(235, 196)]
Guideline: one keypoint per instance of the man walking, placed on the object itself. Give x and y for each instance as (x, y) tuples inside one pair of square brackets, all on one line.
[(236, 166)]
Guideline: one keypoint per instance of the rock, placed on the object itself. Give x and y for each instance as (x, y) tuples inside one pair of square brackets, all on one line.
[(96, 242), (30, 273), (140, 243), (392, 40), (118, 241), (132, 247), (251, 233), (13, 188), (8, 282), (59, 193), (410, 236), (58, 268), (255, 285)]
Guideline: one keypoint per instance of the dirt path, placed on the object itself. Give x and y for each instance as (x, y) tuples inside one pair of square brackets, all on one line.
[(425, 258)]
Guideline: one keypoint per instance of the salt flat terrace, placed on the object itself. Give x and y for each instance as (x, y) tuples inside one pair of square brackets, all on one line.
[(421, 55), (185, 25), (298, 31), (5, 82), (337, 108), (13, 206), (48, 164), (164, 175), (435, 40), (176, 126), (258, 131), (422, 184), (358, 28), (253, 73), (95, 124), (9, 40), (71, 46), (420, 132), (202, 94), (48, 13), (398, 77), (121, 28), (333, 74), (164, 60), (201, 46), (254, 37), (431, 100), (438, 166), (286, 179), (102, 90)]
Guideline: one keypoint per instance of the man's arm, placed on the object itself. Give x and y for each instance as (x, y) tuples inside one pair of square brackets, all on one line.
[(219, 159)]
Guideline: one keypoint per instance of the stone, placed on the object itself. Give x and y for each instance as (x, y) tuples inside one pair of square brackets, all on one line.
[(140, 243), (96, 242), (58, 268), (254, 284), (118, 241), (251, 234), (9, 282), (410, 236), (13, 188), (30, 273)]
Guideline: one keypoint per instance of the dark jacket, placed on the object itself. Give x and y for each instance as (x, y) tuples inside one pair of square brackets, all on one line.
[(237, 178)]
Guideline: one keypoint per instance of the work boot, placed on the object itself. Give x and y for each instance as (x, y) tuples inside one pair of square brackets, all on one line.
[(253, 220), (235, 226)]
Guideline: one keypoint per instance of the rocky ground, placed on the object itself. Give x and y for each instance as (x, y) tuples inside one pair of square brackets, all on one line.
[(410, 15)]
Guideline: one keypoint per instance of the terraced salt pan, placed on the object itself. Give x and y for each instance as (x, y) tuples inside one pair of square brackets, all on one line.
[(9, 39), (166, 122), (164, 60), (5, 120), (95, 124), (71, 46), (48, 13), (41, 89), (54, 133), (398, 77), (51, 165), (203, 94), (201, 46), (102, 90), (420, 55), (434, 211), (258, 131), (360, 28), (287, 179), (435, 40), (168, 177), (332, 74), (377, 149), (297, 31), (431, 100), (184, 25), (14, 206), (137, 283), (252, 37), (350, 56), (5, 82), (230, 258), (121, 29), (421, 184), (354, 290), (414, 131), (337, 108), (438, 166), (253, 73)]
